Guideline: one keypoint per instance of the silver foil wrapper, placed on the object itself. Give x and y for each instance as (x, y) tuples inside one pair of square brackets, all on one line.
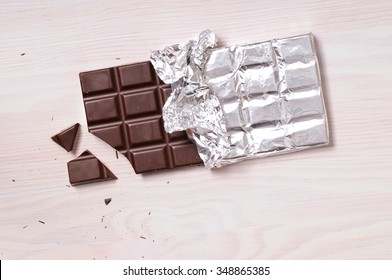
[(244, 101)]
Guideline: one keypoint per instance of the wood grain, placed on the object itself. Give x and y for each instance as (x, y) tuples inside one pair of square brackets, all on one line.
[(327, 203)]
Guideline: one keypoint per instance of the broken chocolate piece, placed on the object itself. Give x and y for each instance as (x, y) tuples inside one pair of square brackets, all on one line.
[(124, 108), (86, 168), (107, 201), (66, 137)]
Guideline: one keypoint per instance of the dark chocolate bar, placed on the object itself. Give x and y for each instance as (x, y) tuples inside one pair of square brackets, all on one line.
[(124, 108), (66, 137), (88, 169)]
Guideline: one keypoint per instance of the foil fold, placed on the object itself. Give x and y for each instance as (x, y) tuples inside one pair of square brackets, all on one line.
[(244, 101)]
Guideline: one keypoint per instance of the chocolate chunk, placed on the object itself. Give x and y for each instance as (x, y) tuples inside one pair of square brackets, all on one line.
[(124, 108), (88, 169), (107, 201), (66, 138)]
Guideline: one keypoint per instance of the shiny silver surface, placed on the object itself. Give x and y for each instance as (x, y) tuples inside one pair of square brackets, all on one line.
[(250, 100)]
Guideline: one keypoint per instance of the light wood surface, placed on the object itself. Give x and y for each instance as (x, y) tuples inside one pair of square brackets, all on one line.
[(327, 203)]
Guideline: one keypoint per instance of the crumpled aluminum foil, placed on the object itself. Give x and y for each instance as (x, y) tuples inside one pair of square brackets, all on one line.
[(244, 101)]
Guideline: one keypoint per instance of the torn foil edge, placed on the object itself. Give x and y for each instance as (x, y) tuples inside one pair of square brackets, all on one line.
[(192, 105)]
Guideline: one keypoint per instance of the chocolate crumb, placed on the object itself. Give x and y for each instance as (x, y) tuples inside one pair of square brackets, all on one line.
[(13, 180), (22, 54), (107, 200), (117, 58), (68, 186), (142, 237), (167, 182), (42, 222), (106, 226), (142, 257), (149, 213), (25, 226), (116, 154), (52, 118), (102, 218)]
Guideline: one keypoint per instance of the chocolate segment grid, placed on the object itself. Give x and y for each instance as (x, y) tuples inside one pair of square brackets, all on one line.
[(124, 108)]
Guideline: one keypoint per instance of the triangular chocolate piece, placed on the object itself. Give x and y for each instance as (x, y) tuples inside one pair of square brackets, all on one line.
[(86, 168), (66, 137)]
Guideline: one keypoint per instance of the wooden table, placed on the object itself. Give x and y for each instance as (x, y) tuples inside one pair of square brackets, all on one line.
[(326, 203)]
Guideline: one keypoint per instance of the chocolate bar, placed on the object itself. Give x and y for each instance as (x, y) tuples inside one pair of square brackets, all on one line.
[(124, 108), (66, 137), (88, 169)]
